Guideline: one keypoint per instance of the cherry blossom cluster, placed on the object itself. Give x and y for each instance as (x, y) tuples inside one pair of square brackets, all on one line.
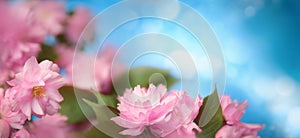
[(29, 96), (32, 92), (172, 115), (31, 79)]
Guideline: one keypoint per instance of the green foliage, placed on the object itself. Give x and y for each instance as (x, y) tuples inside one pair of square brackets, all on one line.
[(70, 105), (145, 75), (47, 53), (104, 109), (209, 119), (94, 133)]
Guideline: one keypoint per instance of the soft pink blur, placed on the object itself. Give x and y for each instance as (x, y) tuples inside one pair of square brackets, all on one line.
[(89, 71), (76, 24), (50, 127), (16, 43), (65, 55), (49, 15)]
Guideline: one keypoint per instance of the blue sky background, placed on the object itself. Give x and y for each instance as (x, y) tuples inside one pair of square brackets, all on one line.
[(261, 44)]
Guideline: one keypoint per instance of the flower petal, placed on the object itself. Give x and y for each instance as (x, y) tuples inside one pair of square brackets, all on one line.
[(133, 131), (36, 107)]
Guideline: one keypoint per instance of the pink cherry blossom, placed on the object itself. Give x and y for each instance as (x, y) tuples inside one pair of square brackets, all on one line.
[(49, 15), (50, 127), (232, 110), (76, 24), (23, 10), (35, 88), (15, 42), (94, 71), (179, 123), (22, 133), (239, 130), (143, 107), (4, 129), (16, 118), (66, 55)]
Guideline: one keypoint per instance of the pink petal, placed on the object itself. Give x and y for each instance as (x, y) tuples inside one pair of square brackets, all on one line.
[(133, 131), (124, 123), (55, 95), (31, 67), (26, 109), (36, 107), (49, 65), (23, 133), (4, 129)]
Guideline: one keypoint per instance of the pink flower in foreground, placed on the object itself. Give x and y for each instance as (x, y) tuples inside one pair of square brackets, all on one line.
[(143, 107), (239, 130), (22, 133), (232, 110), (16, 118), (35, 88), (179, 123), (4, 129), (50, 127), (165, 115), (76, 23)]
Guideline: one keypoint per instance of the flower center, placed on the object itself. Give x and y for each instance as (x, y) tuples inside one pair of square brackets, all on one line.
[(38, 91)]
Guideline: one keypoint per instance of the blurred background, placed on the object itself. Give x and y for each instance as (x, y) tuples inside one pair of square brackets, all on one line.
[(260, 40)]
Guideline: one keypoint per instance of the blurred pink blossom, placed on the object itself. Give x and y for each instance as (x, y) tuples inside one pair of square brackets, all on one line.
[(50, 127), (65, 55), (49, 15), (143, 107), (88, 71), (35, 88), (179, 123), (15, 42), (76, 23)]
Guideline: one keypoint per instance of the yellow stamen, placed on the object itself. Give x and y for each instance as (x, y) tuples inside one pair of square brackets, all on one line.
[(38, 91)]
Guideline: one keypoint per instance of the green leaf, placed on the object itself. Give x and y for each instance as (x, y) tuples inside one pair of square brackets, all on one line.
[(61, 38), (94, 133), (145, 75), (107, 99), (210, 118), (104, 109), (47, 53), (70, 105)]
